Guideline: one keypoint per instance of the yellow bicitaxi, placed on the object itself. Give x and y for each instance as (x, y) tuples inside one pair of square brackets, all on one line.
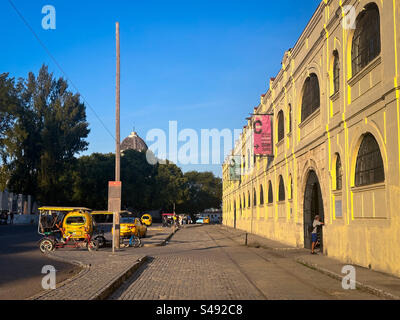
[(147, 220)]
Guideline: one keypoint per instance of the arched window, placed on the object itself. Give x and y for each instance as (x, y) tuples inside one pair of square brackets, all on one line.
[(281, 189), (369, 165), (311, 98), (336, 72), (270, 193), (261, 195), (366, 43), (338, 173), (248, 200), (281, 126), (240, 203), (255, 197), (290, 118)]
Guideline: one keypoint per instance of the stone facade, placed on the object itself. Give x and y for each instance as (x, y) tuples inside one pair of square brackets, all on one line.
[(356, 100)]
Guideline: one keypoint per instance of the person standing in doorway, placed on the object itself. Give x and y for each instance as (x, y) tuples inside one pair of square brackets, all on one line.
[(314, 234)]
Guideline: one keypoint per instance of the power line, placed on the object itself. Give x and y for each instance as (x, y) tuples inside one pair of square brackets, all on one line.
[(59, 66)]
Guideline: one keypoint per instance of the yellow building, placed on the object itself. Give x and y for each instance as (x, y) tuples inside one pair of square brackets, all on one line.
[(336, 126)]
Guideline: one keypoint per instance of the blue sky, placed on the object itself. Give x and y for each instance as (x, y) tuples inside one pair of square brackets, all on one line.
[(202, 63)]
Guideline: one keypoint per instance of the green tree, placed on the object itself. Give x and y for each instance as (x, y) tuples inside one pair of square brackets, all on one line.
[(204, 191), (90, 180), (8, 104), (169, 188), (49, 130), (138, 180)]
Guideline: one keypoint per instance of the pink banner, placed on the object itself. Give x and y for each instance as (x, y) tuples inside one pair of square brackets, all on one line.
[(263, 135)]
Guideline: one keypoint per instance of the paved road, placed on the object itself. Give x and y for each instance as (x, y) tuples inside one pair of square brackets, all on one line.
[(21, 263), (202, 263)]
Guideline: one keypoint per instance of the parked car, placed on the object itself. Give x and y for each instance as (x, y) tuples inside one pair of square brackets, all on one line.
[(203, 220), (130, 225)]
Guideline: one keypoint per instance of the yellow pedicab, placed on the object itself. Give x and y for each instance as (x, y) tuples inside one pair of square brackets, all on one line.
[(66, 227)]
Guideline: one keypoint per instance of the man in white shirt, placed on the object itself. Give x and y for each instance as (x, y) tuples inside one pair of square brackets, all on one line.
[(314, 234)]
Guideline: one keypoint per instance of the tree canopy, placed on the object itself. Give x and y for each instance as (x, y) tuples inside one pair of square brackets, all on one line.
[(43, 129)]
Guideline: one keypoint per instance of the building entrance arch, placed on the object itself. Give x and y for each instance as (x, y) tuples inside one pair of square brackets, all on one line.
[(313, 205)]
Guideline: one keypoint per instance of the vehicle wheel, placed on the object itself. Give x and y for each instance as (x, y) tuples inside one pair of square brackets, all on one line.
[(46, 245), (93, 245), (136, 242), (101, 241)]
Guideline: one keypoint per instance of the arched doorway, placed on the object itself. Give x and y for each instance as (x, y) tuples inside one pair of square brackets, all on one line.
[(234, 215), (313, 205)]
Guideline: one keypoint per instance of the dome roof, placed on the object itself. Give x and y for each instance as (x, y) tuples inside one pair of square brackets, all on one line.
[(133, 142)]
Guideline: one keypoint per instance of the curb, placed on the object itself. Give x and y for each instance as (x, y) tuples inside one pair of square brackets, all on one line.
[(105, 292), (162, 242), (116, 283), (359, 285), (85, 269)]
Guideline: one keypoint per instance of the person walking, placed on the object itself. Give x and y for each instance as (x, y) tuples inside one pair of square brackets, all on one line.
[(11, 217), (314, 234)]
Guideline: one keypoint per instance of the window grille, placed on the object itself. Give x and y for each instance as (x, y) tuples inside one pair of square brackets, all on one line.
[(270, 193), (338, 173), (281, 126), (369, 166), (281, 189), (336, 72), (366, 43), (311, 98)]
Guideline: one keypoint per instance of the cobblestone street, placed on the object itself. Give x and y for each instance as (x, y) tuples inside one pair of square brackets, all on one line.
[(203, 263)]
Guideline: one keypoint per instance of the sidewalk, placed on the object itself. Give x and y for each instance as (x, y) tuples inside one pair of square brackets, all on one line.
[(158, 236), (380, 284), (102, 272)]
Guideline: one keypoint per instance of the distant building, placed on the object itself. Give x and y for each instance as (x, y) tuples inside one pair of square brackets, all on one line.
[(134, 142)]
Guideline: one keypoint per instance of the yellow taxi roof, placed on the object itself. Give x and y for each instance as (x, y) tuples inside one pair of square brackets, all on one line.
[(107, 212), (64, 209), (101, 212)]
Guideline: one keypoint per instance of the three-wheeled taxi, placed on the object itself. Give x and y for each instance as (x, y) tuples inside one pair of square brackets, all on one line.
[(63, 227)]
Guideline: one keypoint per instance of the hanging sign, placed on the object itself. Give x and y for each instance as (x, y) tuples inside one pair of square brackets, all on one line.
[(234, 168), (262, 128)]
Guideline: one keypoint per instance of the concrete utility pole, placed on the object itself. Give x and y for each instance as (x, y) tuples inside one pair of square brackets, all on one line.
[(117, 115), (115, 188)]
